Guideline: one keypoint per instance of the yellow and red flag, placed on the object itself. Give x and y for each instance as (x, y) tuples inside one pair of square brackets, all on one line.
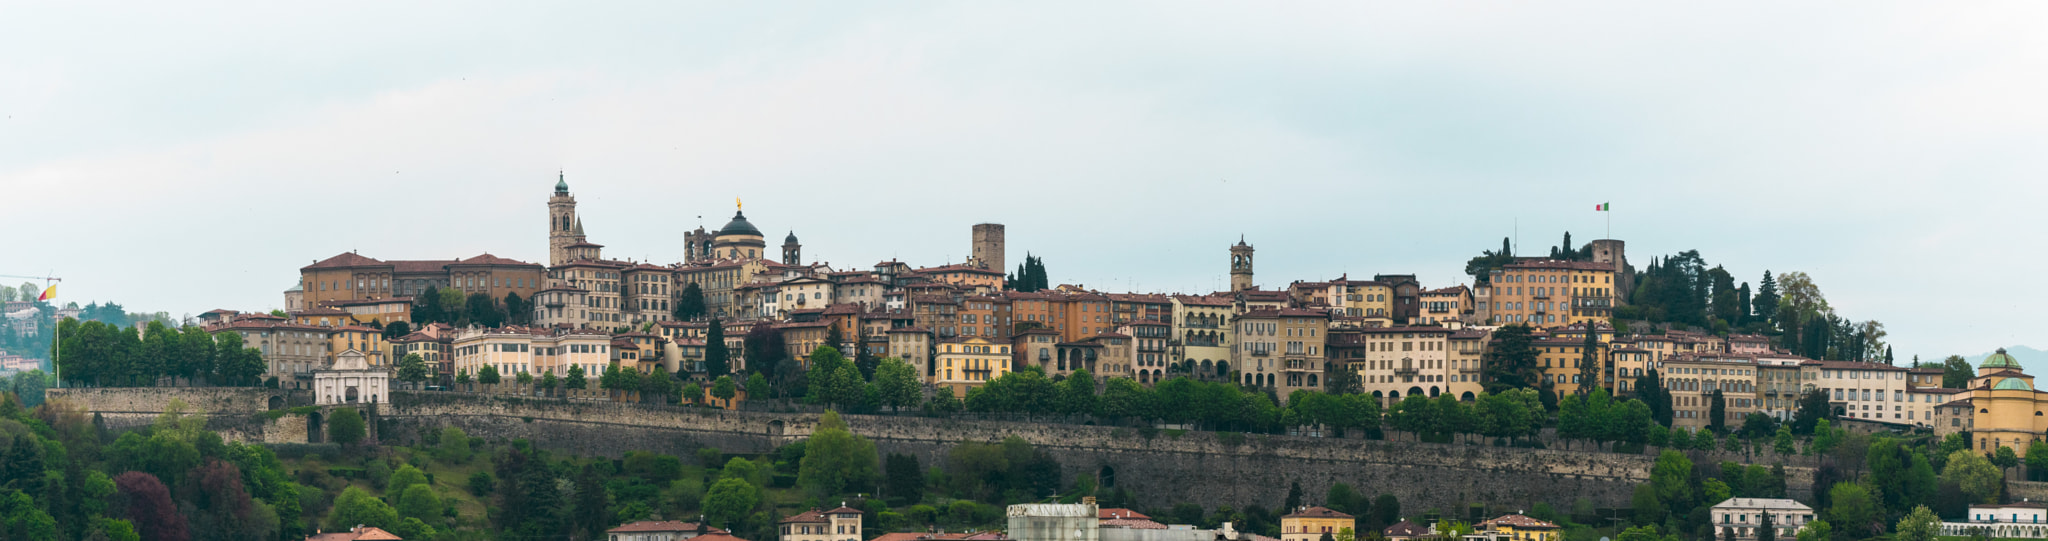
[(49, 294)]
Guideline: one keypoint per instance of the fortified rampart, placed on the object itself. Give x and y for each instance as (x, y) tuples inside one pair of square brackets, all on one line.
[(1198, 467)]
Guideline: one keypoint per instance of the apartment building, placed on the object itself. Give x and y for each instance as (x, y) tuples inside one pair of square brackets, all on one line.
[(1860, 390), (1548, 293), (1693, 380), (968, 362), (1404, 361), (1287, 342)]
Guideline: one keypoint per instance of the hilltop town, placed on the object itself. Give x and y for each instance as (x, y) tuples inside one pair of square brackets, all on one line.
[(1538, 353)]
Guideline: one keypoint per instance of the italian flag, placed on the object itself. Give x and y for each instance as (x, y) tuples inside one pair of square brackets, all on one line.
[(1603, 207)]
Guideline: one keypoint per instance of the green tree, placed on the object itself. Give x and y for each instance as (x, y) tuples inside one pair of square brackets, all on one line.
[(729, 501), (2037, 459), (1591, 368), (1513, 362), (1816, 530), (724, 388), (717, 360), (1919, 525), (1766, 528), (1717, 413), (693, 392), (1852, 507), (905, 480), (896, 383), (2004, 458), (1765, 303), (548, 382), (1977, 477), (1077, 393), (405, 476), (690, 303), (1782, 443), (524, 378), (1956, 372), (453, 447), (488, 375), (420, 502), (1671, 477), (576, 379), (345, 426), (484, 311), (412, 369), (357, 507), (517, 311), (835, 460), (757, 386)]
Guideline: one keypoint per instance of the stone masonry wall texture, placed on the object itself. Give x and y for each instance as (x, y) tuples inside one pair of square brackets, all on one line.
[(1196, 467)]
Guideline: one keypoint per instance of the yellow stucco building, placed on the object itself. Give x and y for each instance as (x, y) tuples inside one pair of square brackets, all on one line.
[(2008, 409), (966, 363), (1310, 523)]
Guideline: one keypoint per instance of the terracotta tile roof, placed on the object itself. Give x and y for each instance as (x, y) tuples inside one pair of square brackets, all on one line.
[(344, 260), (815, 515), (1317, 511), (1416, 329), (1132, 523), (661, 526), (1518, 521), (488, 259), (1852, 365), (1559, 264), (1406, 529), (917, 536), (1118, 512), (910, 330), (1202, 300)]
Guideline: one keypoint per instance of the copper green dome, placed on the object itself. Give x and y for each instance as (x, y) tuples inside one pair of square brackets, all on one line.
[(2000, 360), (2012, 384), (561, 183), (739, 226)]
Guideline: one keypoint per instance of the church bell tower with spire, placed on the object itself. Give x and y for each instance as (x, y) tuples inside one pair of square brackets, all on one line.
[(564, 229)]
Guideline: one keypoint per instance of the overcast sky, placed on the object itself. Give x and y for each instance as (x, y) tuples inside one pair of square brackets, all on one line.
[(181, 157)]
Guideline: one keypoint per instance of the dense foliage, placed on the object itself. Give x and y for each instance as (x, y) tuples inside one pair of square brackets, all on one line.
[(95, 354)]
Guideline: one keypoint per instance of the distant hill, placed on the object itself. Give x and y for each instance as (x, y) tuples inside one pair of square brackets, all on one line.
[(2026, 355)]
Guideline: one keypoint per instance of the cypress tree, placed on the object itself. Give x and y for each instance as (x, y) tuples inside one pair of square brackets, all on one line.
[(716, 361)]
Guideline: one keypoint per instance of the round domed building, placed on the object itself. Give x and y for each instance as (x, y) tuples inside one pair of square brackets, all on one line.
[(739, 239), (2002, 406)]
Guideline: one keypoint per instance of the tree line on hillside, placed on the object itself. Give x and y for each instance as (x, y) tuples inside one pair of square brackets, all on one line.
[(1682, 290), (454, 308), (96, 354)]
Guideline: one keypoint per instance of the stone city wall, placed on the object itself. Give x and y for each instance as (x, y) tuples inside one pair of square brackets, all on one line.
[(1198, 467)]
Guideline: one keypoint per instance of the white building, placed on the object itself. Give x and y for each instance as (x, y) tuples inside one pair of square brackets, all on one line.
[(1745, 515), (351, 380), (2013, 520)]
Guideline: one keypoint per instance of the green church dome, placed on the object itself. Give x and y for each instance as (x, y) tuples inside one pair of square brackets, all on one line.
[(2012, 384), (2000, 360)]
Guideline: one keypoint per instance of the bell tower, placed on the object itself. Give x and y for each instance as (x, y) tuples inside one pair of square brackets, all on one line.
[(792, 253), (563, 227), (1240, 266)]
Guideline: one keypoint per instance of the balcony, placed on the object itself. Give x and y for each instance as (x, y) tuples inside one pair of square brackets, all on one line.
[(1405, 371), (1261, 353)]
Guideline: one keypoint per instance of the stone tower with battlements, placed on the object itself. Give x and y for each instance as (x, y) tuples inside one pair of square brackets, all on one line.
[(563, 227), (1240, 266), (988, 247)]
